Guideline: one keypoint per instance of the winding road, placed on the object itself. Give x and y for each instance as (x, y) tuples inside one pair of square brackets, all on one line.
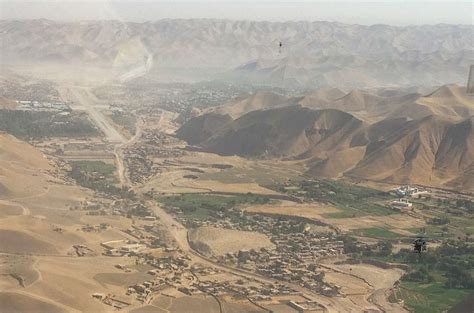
[(87, 101)]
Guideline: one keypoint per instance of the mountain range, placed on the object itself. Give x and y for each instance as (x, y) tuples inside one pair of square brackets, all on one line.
[(400, 139), (314, 54)]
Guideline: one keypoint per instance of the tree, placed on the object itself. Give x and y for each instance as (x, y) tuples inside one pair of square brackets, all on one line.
[(385, 248)]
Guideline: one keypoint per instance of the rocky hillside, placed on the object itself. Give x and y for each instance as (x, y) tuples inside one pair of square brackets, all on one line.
[(313, 54), (435, 148)]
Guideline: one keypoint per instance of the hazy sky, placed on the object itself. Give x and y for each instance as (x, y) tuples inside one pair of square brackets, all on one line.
[(395, 12)]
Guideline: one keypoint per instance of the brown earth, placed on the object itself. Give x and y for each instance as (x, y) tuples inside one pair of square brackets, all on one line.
[(20, 242), (18, 303), (434, 150), (219, 241)]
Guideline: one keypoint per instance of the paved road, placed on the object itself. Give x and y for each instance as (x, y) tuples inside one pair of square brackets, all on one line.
[(177, 230), (118, 151), (88, 102)]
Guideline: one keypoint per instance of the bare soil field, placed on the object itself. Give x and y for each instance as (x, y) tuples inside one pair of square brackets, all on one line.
[(163, 302), (38, 235), (122, 279), (239, 175), (184, 304), (173, 181), (18, 303), (350, 285), (20, 166), (19, 268), (239, 307), (7, 210), (280, 308), (374, 280), (148, 309), (21, 242), (77, 283), (195, 304), (219, 241), (394, 222)]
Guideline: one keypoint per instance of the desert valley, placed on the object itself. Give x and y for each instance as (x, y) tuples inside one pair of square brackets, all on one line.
[(191, 166)]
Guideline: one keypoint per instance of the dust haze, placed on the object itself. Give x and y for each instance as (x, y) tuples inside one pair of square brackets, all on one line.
[(205, 160)]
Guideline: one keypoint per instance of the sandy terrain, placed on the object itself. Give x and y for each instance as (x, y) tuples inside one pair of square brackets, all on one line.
[(8, 209), (20, 242), (366, 285), (394, 222), (217, 241), (174, 182), (27, 183), (19, 303), (38, 229), (182, 304)]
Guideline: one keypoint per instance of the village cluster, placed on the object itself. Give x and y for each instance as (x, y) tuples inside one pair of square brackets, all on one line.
[(296, 253), (141, 158)]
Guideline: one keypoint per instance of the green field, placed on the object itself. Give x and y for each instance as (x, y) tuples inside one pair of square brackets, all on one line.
[(429, 298), (351, 200), (96, 175), (27, 125), (202, 204), (204, 207)]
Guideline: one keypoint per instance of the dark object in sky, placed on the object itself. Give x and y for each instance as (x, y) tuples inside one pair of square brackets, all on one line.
[(419, 245), (281, 45)]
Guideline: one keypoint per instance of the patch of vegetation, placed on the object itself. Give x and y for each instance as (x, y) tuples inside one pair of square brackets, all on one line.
[(125, 120), (466, 204), (420, 275), (199, 205), (353, 201), (380, 252), (437, 279), (429, 297), (36, 125), (96, 175), (376, 232), (438, 221), (203, 206)]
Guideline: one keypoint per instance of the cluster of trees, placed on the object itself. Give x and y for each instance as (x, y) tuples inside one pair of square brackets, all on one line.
[(139, 210), (26, 125), (467, 204), (454, 258), (460, 203), (382, 249), (190, 203), (125, 120), (438, 221), (420, 274), (346, 196), (105, 186)]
